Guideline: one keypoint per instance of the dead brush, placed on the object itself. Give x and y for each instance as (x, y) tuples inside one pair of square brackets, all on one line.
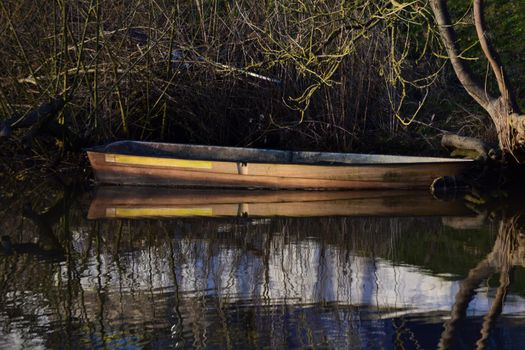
[(229, 73)]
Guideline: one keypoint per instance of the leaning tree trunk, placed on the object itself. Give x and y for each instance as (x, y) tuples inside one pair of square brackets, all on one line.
[(503, 110)]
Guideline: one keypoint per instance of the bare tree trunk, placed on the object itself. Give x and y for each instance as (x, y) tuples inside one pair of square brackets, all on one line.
[(503, 110)]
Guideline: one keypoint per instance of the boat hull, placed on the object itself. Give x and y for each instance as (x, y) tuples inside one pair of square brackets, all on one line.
[(128, 168)]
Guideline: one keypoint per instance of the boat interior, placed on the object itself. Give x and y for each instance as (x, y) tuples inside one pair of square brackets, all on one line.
[(254, 155)]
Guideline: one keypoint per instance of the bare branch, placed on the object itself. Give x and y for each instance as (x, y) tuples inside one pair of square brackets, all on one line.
[(492, 56), (474, 88)]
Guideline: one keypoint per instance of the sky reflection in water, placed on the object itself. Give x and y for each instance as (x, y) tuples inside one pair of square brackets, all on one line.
[(230, 283)]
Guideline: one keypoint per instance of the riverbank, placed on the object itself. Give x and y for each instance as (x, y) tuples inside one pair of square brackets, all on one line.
[(232, 76)]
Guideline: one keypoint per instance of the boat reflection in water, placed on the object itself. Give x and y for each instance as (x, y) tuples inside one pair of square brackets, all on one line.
[(389, 278), (143, 202)]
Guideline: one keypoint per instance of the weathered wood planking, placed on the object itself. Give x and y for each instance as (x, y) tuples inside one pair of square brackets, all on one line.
[(139, 163)]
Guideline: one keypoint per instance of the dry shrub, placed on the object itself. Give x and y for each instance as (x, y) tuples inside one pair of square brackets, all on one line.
[(310, 75)]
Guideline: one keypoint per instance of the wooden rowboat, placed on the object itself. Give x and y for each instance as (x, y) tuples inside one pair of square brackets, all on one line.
[(163, 164), (124, 202)]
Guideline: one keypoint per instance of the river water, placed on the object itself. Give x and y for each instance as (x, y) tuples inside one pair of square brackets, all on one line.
[(123, 268)]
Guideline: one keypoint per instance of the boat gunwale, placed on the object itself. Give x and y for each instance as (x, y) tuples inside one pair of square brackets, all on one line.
[(411, 160)]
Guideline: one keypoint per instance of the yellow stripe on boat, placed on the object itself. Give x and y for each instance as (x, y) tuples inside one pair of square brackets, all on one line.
[(155, 161), (145, 212)]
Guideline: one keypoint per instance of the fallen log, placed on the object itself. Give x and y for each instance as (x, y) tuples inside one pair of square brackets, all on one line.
[(34, 119), (469, 147), (43, 121)]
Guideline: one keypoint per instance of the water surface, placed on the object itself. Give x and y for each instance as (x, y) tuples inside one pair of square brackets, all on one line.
[(379, 274)]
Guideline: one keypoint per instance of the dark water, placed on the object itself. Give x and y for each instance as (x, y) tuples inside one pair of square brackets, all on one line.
[(249, 282)]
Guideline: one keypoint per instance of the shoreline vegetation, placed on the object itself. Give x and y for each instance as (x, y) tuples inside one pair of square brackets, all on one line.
[(358, 76)]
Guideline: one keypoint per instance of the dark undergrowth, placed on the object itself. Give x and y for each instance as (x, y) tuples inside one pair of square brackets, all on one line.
[(273, 74)]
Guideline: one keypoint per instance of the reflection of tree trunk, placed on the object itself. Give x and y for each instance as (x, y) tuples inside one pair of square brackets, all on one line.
[(466, 291), (495, 310), (504, 254)]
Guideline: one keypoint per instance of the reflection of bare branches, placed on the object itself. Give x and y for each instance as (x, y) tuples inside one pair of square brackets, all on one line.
[(48, 242), (177, 328), (44, 223), (508, 251)]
